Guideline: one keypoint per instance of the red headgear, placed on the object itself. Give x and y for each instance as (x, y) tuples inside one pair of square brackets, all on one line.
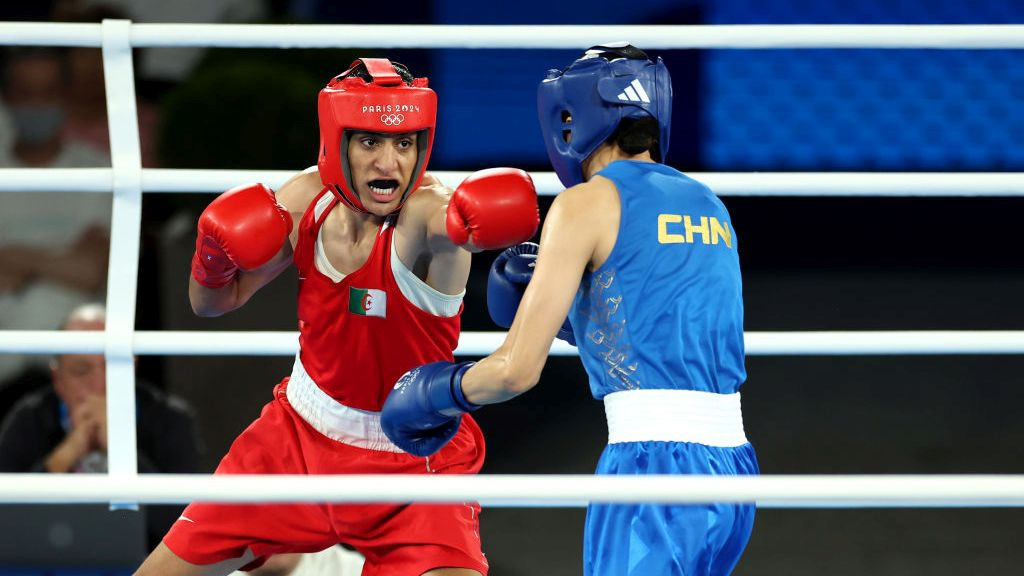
[(384, 105)]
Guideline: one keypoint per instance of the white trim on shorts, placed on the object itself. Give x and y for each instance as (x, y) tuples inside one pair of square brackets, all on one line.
[(359, 428), (675, 416)]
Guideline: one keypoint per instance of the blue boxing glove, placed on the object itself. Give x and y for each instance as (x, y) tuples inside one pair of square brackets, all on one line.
[(424, 410), (506, 284)]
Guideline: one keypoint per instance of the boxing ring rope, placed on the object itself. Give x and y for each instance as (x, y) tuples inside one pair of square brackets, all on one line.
[(128, 181), (757, 36), (257, 343), (513, 490), (849, 184)]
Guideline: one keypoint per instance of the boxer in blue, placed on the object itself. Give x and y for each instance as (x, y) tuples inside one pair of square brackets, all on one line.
[(643, 259)]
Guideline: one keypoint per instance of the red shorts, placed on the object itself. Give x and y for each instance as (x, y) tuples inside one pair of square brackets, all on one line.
[(398, 540)]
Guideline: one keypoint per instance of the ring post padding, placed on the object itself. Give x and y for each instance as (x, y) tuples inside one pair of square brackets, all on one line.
[(122, 275)]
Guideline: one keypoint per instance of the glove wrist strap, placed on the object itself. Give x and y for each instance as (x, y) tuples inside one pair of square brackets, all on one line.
[(445, 391), (211, 278), (458, 396)]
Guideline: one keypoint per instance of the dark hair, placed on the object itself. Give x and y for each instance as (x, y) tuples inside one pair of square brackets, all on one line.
[(636, 136), (17, 53), (617, 50), (95, 13), (360, 71)]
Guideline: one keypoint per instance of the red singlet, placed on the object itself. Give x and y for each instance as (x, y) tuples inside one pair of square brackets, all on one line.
[(357, 337)]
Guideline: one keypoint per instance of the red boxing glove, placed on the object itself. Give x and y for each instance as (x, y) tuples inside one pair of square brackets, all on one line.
[(242, 228), (498, 206)]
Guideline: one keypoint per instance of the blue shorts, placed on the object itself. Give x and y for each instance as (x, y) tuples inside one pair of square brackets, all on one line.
[(648, 539)]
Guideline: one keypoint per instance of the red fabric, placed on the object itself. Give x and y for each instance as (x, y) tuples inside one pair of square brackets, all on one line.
[(357, 359), (397, 540), (498, 206), (382, 106), (242, 228)]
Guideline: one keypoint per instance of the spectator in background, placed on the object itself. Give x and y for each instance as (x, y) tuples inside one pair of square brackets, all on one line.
[(34, 92), (63, 428), (87, 105), (53, 246), (172, 64)]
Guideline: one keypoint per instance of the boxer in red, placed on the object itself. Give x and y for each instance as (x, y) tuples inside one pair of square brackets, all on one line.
[(383, 255)]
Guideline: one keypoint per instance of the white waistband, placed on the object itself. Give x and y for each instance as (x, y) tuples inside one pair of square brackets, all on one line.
[(360, 428), (675, 416)]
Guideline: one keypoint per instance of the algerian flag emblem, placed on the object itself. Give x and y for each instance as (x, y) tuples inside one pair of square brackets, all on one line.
[(368, 302)]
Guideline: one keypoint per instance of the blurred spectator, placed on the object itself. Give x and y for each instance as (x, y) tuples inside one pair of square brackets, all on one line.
[(63, 428), (175, 64), (53, 246), (334, 561), (34, 91), (87, 102)]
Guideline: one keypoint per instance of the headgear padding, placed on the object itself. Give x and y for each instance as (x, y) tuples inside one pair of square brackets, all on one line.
[(384, 105), (608, 83)]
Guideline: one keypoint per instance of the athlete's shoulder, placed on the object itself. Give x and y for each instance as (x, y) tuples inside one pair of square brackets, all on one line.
[(585, 210), (299, 190), (678, 177), (423, 206), (590, 195), (430, 195)]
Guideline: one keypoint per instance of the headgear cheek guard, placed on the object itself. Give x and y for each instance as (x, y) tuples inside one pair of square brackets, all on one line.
[(384, 105), (581, 106)]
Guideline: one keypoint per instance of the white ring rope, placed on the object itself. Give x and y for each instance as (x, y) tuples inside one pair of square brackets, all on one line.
[(127, 178), (538, 490), (851, 343), (713, 36), (817, 184)]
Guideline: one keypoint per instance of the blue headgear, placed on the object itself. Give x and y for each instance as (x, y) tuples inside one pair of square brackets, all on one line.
[(608, 83)]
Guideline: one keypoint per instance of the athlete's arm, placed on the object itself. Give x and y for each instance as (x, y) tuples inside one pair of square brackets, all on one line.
[(580, 219), (216, 298), (422, 243), (423, 410)]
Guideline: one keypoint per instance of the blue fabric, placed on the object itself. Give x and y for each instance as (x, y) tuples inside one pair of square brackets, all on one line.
[(904, 110), (665, 311), (648, 539)]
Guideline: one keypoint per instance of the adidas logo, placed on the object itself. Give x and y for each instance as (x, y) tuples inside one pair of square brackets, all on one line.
[(634, 93)]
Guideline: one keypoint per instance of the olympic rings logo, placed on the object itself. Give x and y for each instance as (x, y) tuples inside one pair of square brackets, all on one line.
[(392, 119)]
